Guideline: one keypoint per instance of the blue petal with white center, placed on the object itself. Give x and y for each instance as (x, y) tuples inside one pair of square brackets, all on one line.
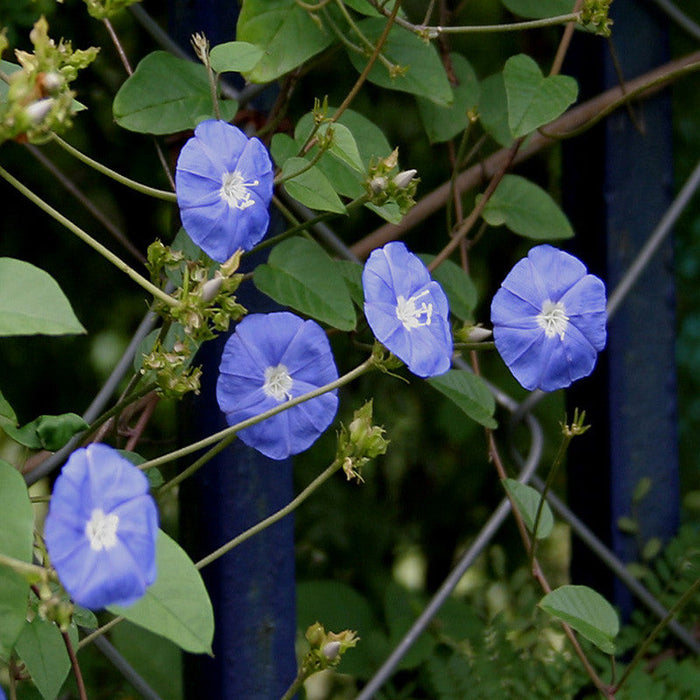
[(549, 319), (101, 529), (407, 310), (269, 359), (224, 183)]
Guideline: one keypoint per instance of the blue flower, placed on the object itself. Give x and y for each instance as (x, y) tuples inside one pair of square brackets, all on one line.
[(407, 311), (101, 529), (269, 359), (549, 319), (224, 186)]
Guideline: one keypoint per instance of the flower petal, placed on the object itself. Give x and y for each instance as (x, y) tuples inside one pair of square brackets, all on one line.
[(261, 341), (538, 361), (221, 226), (98, 478), (422, 339)]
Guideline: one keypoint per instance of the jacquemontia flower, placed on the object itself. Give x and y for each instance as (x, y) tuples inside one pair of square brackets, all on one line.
[(101, 529), (224, 182), (407, 310), (549, 319), (269, 359)]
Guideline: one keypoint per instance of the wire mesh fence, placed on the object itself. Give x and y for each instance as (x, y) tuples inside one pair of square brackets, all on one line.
[(521, 413)]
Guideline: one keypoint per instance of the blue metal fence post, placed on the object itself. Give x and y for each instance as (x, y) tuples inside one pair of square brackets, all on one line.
[(635, 174), (252, 587)]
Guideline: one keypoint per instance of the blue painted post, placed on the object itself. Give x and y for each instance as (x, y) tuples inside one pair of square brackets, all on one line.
[(638, 383), (252, 587)]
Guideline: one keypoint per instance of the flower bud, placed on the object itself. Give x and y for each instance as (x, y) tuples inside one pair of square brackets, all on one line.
[(403, 179), (378, 184), (211, 288), (331, 650), (37, 111)]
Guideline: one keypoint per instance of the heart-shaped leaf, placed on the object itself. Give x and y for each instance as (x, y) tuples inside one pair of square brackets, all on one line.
[(585, 611), (469, 392), (534, 100), (301, 275), (528, 501), (31, 302), (526, 209), (166, 94), (443, 122)]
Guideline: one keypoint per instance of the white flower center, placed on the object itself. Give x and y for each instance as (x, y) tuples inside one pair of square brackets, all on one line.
[(101, 530), (410, 315), (553, 319), (278, 383), (234, 190)]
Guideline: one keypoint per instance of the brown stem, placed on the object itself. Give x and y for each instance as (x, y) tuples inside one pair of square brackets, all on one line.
[(372, 59), (475, 175), (75, 665)]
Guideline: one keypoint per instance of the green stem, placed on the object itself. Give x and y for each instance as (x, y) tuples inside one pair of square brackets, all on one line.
[(87, 238), (31, 572), (558, 459), (295, 687), (232, 430), (283, 178), (121, 179), (642, 650), (272, 519)]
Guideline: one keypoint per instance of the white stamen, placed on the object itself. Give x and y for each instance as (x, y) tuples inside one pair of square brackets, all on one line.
[(234, 190), (278, 383), (101, 530), (410, 315), (553, 319)]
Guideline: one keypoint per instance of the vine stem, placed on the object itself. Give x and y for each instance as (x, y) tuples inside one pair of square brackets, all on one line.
[(370, 63), (117, 177), (87, 238), (82, 693), (272, 519), (642, 650), (234, 429)]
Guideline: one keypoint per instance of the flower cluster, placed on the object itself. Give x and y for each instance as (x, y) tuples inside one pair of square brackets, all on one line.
[(407, 311), (101, 529), (549, 319), (223, 182), (270, 359)]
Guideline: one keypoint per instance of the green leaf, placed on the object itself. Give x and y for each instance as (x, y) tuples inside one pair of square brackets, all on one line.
[(421, 72), (526, 209), (32, 303), (43, 652), (47, 432), (343, 145), (285, 32), (177, 605), (17, 528), (538, 9), (470, 393), (310, 186), (442, 123), (301, 275), (528, 501), (457, 285), (585, 611), (534, 100), (7, 413), (493, 109), (352, 274), (234, 57), (166, 94)]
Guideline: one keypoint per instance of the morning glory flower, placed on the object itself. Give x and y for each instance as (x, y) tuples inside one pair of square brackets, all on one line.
[(223, 182), (549, 319), (407, 310), (101, 529), (269, 359)]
